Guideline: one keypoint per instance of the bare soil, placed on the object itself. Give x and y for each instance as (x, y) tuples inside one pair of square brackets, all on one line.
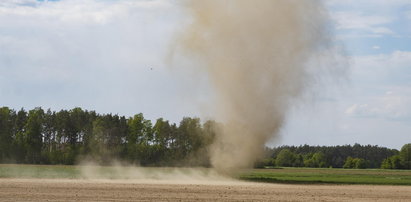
[(150, 190)]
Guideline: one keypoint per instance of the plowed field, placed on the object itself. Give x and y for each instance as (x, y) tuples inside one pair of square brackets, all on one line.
[(150, 190)]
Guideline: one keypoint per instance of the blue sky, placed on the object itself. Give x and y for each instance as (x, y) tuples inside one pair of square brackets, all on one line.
[(98, 55)]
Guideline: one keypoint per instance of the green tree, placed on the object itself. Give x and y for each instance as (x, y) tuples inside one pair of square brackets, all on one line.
[(395, 162), (98, 149), (49, 135), (6, 132), (285, 158), (405, 156), (107, 140), (161, 133), (299, 161), (349, 163), (33, 135), (360, 163), (138, 138), (317, 160), (19, 149), (162, 141), (386, 164), (86, 134), (191, 142)]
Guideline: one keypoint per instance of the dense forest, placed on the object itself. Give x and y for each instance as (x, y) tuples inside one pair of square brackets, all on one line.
[(345, 156), (69, 136)]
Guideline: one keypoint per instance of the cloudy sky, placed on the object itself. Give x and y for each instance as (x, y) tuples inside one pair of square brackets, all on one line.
[(109, 56)]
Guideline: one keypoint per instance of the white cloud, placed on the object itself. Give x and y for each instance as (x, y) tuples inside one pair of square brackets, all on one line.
[(370, 18), (375, 47), (370, 24), (16, 3), (383, 69), (360, 110), (392, 106), (383, 85), (368, 3), (79, 11), (396, 59)]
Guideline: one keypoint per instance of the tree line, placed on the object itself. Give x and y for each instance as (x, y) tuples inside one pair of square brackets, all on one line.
[(345, 156), (69, 136)]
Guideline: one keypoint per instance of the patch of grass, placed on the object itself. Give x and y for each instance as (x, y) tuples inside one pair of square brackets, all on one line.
[(329, 176)]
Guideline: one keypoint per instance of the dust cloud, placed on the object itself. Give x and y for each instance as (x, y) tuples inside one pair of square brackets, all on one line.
[(260, 57), (124, 172)]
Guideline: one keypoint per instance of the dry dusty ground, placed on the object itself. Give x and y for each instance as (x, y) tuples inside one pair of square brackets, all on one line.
[(106, 190)]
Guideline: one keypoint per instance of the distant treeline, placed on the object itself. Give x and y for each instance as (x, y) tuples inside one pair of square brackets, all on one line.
[(346, 156), (69, 136)]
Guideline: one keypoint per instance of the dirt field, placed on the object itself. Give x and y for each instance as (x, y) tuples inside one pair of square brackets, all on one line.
[(113, 190)]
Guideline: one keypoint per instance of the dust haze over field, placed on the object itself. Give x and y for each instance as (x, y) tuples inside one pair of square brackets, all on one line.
[(132, 173), (260, 58)]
